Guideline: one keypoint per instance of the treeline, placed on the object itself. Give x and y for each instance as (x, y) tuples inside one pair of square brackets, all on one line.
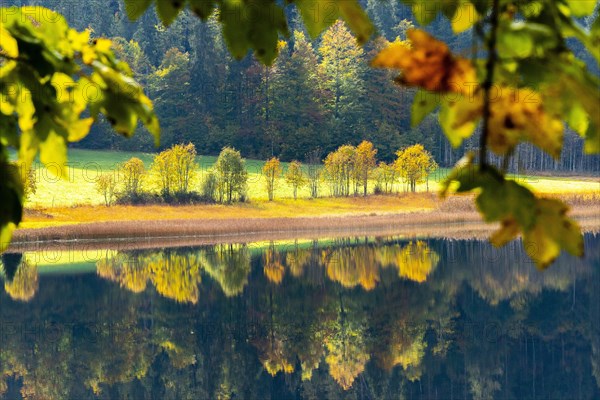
[(173, 176), (318, 94)]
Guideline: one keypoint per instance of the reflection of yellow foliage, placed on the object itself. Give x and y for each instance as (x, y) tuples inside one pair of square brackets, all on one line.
[(131, 275), (409, 356), (307, 370), (415, 261), (407, 349), (25, 282), (345, 366), (347, 355), (179, 358), (274, 359), (296, 261), (352, 266), (273, 268), (176, 276), (229, 265)]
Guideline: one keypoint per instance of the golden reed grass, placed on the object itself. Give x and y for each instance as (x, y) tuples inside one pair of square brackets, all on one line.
[(456, 217)]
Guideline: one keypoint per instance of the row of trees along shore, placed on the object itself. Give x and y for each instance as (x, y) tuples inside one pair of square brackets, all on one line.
[(173, 176)]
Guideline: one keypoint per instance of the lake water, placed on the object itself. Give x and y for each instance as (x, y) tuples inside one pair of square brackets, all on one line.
[(358, 318)]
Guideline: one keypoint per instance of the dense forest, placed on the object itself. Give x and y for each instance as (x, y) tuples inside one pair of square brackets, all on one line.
[(318, 95)]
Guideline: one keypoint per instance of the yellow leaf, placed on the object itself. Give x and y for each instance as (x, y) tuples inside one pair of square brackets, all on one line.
[(552, 232), (509, 231), (53, 153), (103, 45), (459, 118), (464, 18), (519, 114), (79, 129), (8, 44)]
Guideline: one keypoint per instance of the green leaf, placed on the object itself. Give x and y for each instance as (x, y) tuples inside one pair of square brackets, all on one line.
[(202, 8), (425, 11), (53, 150), (136, 8), (481, 6), (242, 32), (582, 8), (424, 103), (524, 39), (11, 209), (358, 21), (578, 119), (592, 140), (168, 10), (317, 15), (502, 199)]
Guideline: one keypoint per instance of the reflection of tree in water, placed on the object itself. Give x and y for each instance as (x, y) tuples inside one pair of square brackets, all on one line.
[(297, 339), (126, 270), (273, 268), (352, 265), (23, 284), (414, 262), (297, 260), (346, 351), (229, 265), (175, 275), (406, 349)]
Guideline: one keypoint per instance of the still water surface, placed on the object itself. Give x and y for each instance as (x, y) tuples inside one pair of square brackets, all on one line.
[(358, 318)]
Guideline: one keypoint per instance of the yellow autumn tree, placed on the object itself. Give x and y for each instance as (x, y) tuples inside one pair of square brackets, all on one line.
[(364, 163), (339, 170), (412, 164), (132, 173), (271, 172), (175, 169), (295, 177), (105, 186)]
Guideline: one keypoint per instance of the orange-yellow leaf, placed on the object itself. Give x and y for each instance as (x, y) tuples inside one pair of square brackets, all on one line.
[(428, 63)]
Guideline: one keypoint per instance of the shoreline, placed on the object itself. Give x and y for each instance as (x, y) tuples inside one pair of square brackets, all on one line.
[(437, 222)]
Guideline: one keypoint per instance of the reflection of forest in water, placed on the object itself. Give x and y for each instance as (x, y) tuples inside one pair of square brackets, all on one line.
[(351, 318)]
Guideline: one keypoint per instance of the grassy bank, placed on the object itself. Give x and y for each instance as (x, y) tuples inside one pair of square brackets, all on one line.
[(407, 215)]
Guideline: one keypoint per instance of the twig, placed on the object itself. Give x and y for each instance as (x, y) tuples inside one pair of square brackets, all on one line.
[(489, 81)]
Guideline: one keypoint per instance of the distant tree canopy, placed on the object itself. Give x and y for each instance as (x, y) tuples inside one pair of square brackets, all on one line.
[(528, 83)]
